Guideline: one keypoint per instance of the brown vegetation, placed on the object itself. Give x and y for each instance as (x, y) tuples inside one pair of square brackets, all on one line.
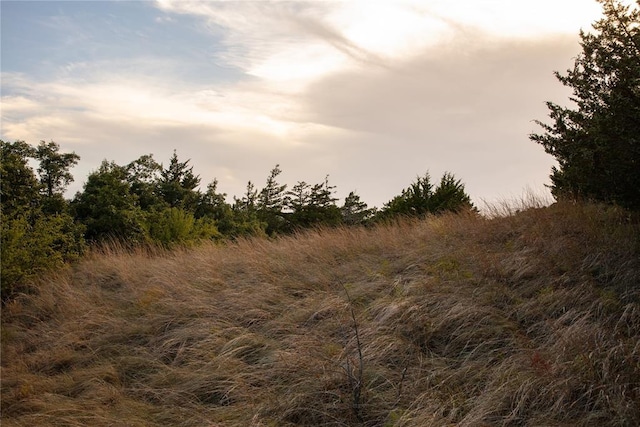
[(526, 319)]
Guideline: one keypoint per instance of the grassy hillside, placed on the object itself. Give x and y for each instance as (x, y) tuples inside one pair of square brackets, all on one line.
[(527, 319)]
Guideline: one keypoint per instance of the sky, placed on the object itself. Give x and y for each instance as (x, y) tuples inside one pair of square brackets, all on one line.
[(371, 93)]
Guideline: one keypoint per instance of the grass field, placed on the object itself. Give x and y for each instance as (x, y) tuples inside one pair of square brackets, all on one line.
[(528, 318)]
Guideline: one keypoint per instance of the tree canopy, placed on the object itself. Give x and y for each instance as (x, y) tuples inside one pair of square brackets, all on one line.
[(37, 235), (422, 198), (596, 142)]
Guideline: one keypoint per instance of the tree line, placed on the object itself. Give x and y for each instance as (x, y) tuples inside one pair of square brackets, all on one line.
[(146, 202)]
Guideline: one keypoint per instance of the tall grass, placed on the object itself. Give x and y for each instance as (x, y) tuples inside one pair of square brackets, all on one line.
[(528, 318)]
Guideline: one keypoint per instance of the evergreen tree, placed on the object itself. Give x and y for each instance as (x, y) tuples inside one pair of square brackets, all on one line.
[(413, 201), (297, 199), (271, 197), (231, 223), (248, 201), (450, 195), (312, 205), (354, 211), (271, 202), (421, 198), (177, 184), (322, 195), (597, 144), (322, 204), (245, 215), (212, 204)]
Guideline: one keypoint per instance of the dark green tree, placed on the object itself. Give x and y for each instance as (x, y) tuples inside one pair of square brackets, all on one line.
[(597, 142), (32, 240), (248, 202), (312, 205), (413, 201), (271, 203), (245, 215), (19, 187), (298, 197), (231, 223), (354, 211), (450, 195), (178, 184), (108, 208), (296, 201), (322, 204), (421, 198), (212, 204), (54, 167), (143, 175), (54, 173)]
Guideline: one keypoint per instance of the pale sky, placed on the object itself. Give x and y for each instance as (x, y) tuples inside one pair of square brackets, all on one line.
[(372, 93)]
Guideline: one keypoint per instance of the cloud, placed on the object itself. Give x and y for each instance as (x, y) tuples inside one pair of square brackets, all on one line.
[(509, 19), (266, 39), (235, 132), (465, 107), (477, 82), (261, 37), (371, 93)]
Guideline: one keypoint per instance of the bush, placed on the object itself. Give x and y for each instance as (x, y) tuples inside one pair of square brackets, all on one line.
[(177, 226)]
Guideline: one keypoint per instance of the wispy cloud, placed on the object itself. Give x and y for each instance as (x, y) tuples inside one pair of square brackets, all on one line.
[(266, 34)]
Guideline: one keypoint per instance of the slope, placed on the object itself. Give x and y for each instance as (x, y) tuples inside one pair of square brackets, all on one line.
[(524, 319)]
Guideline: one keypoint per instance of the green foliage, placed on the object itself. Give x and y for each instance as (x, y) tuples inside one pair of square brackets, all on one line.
[(230, 222), (241, 223), (18, 184), (212, 204), (299, 196), (244, 220), (34, 238), (272, 196), (414, 200), (33, 245), (143, 175), (450, 195), (312, 206), (271, 203), (420, 198), (597, 144), (54, 167), (177, 184), (142, 202), (108, 208), (172, 226), (354, 211), (248, 202)]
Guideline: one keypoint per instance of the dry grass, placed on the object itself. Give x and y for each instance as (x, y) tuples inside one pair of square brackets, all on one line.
[(525, 319)]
